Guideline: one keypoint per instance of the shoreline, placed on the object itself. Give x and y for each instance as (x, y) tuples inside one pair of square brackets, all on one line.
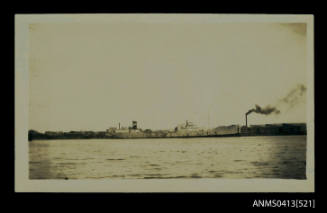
[(135, 133), (180, 137)]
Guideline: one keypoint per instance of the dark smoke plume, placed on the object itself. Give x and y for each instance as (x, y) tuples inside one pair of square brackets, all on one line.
[(266, 110), (291, 99), (294, 96)]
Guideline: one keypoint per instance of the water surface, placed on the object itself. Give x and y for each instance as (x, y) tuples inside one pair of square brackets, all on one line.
[(232, 157)]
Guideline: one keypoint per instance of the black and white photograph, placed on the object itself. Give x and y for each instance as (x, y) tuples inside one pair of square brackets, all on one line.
[(164, 101)]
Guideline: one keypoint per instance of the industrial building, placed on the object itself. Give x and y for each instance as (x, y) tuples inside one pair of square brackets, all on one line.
[(274, 129)]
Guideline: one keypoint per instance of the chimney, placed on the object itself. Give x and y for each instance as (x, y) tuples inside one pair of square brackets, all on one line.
[(246, 120), (118, 125)]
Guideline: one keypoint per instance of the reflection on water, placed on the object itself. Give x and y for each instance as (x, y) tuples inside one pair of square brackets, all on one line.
[(234, 157)]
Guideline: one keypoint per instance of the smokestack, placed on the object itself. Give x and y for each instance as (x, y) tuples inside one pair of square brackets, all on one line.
[(118, 125), (246, 120)]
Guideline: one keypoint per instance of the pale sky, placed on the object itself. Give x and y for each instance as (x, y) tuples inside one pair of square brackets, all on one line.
[(91, 76)]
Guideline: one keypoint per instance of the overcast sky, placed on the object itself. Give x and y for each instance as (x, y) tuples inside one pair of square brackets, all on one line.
[(91, 76)]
